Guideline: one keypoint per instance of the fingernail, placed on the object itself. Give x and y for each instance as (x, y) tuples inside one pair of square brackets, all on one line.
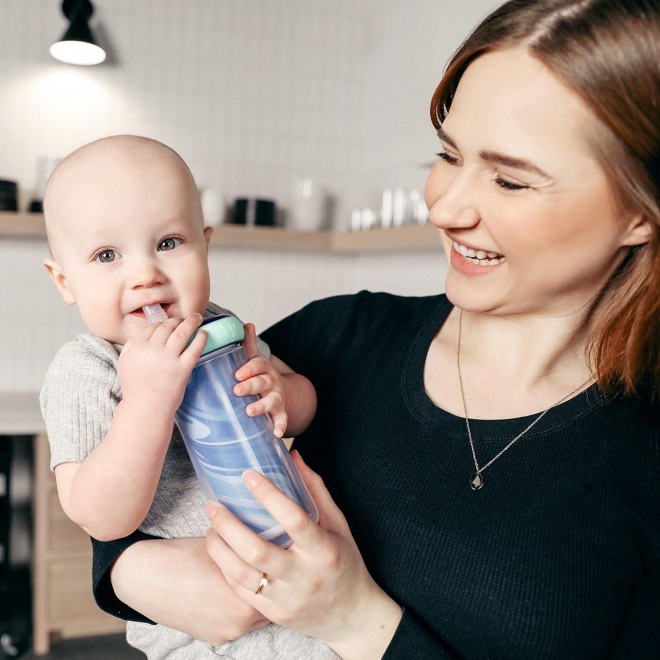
[(250, 478), (210, 509)]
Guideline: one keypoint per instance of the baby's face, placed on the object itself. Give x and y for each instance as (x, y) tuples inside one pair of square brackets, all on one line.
[(126, 231)]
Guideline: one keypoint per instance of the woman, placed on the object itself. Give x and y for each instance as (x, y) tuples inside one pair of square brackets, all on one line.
[(495, 451)]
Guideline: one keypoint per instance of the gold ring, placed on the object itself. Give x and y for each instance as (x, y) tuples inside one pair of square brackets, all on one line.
[(263, 582)]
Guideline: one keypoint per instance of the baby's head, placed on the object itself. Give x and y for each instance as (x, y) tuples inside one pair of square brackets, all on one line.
[(125, 229)]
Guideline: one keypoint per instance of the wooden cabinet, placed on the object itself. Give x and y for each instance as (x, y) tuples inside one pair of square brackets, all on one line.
[(63, 604)]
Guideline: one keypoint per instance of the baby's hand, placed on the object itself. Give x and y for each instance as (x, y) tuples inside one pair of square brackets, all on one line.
[(155, 365), (260, 377)]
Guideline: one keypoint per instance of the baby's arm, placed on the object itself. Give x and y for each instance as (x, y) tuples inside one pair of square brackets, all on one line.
[(111, 491), (288, 397)]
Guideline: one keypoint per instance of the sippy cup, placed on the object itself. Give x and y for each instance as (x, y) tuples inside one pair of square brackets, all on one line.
[(223, 441)]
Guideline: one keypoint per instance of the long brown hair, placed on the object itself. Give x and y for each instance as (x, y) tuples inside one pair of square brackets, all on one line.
[(608, 53)]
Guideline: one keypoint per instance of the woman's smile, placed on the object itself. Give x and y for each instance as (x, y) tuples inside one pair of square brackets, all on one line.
[(467, 262), (481, 257)]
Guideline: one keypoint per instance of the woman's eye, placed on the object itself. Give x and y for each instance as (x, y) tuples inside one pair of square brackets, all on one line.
[(169, 243), (106, 256), (448, 158), (509, 185)]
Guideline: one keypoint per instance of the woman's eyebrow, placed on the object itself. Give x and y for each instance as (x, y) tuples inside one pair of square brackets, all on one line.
[(496, 157), (512, 161), (445, 138)]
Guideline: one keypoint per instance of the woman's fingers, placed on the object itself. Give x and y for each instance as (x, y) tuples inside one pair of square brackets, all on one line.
[(237, 573), (303, 531), (239, 552)]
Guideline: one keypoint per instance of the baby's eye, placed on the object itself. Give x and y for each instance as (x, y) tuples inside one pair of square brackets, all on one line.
[(106, 256), (169, 243)]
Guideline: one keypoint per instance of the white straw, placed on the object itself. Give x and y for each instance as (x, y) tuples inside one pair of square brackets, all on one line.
[(154, 313)]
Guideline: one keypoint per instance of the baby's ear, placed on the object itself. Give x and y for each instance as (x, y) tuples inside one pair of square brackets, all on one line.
[(56, 274), (207, 234)]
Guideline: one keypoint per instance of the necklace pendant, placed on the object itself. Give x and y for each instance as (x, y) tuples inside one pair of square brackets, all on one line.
[(477, 481)]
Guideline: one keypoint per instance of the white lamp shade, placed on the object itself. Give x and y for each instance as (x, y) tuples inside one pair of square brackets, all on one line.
[(77, 52)]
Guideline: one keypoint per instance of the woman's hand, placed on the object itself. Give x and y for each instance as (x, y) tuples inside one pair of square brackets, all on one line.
[(174, 582), (319, 586)]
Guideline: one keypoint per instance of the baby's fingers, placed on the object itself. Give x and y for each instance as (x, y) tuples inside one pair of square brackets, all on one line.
[(250, 341), (255, 367), (181, 334), (271, 403), (255, 385)]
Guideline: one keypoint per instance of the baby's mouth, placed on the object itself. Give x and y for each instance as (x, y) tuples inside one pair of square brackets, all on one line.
[(139, 311), (479, 257)]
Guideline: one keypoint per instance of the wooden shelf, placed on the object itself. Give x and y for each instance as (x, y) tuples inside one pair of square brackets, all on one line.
[(410, 237)]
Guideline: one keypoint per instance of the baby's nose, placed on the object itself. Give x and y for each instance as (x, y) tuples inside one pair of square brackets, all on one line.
[(146, 274)]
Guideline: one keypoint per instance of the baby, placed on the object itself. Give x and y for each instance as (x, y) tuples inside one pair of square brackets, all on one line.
[(125, 230)]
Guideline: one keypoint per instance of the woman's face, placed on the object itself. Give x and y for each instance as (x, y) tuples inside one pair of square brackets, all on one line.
[(529, 220)]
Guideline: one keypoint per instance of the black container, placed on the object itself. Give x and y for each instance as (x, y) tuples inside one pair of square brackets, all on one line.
[(254, 212), (8, 196)]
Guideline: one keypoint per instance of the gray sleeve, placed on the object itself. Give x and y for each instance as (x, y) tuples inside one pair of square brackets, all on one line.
[(214, 309), (78, 399)]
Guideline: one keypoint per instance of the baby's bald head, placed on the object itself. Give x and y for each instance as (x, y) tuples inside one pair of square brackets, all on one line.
[(101, 172)]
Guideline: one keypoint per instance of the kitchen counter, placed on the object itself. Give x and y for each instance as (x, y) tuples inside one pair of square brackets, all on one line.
[(20, 414)]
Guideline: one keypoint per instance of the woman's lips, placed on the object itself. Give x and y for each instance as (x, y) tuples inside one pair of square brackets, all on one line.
[(481, 257), (474, 262)]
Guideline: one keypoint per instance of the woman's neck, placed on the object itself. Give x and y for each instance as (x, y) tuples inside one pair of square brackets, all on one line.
[(510, 366)]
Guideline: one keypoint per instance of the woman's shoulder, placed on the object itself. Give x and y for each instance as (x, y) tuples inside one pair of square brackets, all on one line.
[(627, 434), (371, 304)]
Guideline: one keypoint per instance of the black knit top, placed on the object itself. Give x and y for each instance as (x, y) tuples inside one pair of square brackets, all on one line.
[(557, 556)]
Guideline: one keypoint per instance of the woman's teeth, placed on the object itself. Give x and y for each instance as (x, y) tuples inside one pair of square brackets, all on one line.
[(480, 257)]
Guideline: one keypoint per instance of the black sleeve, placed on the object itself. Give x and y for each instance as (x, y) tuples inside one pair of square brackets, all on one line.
[(413, 639), (104, 555)]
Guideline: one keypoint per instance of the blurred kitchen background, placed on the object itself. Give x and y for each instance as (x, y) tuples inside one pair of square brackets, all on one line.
[(255, 95), (263, 99)]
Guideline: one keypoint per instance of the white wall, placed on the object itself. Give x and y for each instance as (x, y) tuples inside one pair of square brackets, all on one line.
[(253, 94)]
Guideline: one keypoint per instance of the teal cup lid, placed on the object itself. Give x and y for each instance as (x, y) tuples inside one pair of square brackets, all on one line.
[(220, 332)]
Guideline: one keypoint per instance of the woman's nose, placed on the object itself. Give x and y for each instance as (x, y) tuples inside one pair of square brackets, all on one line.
[(450, 197)]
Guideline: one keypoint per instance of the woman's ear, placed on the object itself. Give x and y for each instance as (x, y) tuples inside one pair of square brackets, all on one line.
[(56, 274), (639, 231)]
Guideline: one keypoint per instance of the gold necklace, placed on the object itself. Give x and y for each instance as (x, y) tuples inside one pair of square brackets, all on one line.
[(477, 480)]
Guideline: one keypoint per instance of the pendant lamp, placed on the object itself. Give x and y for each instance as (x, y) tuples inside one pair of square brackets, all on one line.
[(77, 45)]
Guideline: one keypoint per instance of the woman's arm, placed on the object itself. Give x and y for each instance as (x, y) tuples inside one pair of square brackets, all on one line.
[(173, 582)]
